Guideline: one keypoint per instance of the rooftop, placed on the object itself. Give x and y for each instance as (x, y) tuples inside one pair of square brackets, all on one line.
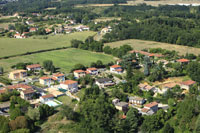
[(58, 75), (68, 82), (45, 77), (28, 91), (79, 71), (188, 82), (182, 60), (115, 66), (92, 69), (19, 86), (150, 105), (33, 66), (18, 71), (47, 96), (121, 104)]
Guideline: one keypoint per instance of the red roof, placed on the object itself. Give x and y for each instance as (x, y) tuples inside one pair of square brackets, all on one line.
[(48, 96), (188, 82), (28, 91), (59, 75), (150, 105), (19, 86), (33, 29), (43, 78), (68, 82), (134, 61), (79, 71), (183, 60), (33, 66), (145, 110), (119, 70), (2, 91), (92, 69), (115, 66)]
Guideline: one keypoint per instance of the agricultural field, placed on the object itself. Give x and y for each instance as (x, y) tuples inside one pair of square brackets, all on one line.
[(64, 59), (105, 19), (12, 46), (141, 44)]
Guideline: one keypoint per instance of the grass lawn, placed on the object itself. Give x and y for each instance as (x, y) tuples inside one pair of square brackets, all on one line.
[(66, 100), (12, 46), (141, 44), (64, 59)]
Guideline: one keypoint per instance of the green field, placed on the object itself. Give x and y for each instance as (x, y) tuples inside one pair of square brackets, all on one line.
[(141, 44), (12, 46), (64, 59)]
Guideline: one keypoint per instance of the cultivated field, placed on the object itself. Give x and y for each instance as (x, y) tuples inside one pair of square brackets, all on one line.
[(64, 59), (105, 19), (12, 46), (141, 44)]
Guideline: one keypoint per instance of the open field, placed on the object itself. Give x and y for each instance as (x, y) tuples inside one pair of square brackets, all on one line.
[(141, 44), (152, 3), (5, 25), (64, 59), (104, 19), (12, 46)]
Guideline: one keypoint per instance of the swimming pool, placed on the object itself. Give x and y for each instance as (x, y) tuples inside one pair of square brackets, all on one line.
[(51, 103)]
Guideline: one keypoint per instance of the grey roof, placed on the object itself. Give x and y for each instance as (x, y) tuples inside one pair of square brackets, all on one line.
[(102, 80), (4, 105), (121, 104)]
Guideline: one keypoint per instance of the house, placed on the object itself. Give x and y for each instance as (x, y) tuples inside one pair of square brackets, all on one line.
[(106, 30), (169, 85), (46, 98), (145, 87), (27, 94), (115, 101), (4, 106), (18, 74), (70, 85), (48, 30), (18, 87), (34, 67), (79, 73), (104, 82), (33, 29), (122, 106), (59, 77), (183, 61), (152, 106), (46, 81), (29, 22), (92, 71), (59, 30), (116, 69), (136, 100), (19, 36), (187, 84)]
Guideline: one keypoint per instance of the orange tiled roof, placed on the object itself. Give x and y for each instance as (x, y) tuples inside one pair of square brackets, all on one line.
[(188, 82), (79, 71), (152, 104), (28, 91), (183, 60), (48, 96), (33, 66), (68, 82), (115, 66), (19, 86), (43, 78), (119, 70), (2, 91), (59, 75), (92, 69)]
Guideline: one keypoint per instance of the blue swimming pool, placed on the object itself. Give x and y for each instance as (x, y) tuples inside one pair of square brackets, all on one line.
[(62, 90), (51, 103)]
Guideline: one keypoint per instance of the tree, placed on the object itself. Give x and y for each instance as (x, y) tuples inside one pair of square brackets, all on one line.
[(48, 65), (129, 73), (41, 73), (79, 66), (4, 122), (146, 69), (15, 113), (193, 70), (19, 122), (45, 111), (75, 43), (168, 129), (1, 70), (133, 120), (68, 112), (33, 114), (197, 124)]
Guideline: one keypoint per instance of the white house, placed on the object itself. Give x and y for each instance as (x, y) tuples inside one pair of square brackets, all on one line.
[(46, 98), (33, 67), (70, 85), (136, 100), (92, 71), (150, 108), (116, 69), (79, 73), (46, 81), (59, 77), (104, 82)]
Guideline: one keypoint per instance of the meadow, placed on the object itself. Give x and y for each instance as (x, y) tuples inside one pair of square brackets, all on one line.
[(63, 59), (12, 46), (141, 44)]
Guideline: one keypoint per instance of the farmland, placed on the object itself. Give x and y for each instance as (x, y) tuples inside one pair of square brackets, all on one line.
[(11, 46), (64, 59), (141, 44)]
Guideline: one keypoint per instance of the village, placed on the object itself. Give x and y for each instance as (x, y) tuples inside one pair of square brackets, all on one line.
[(46, 89)]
